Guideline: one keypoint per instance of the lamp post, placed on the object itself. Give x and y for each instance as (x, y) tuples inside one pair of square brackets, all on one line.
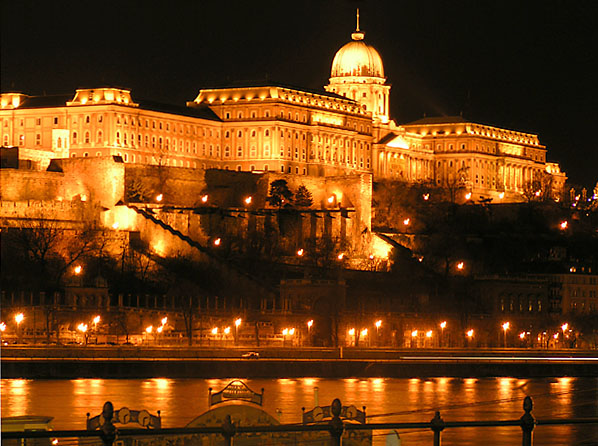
[(442, 327), (96, 320), (148, 331), (83, 329), (469, 334), (378, 324), (237, 324), (505, 327), (310, 323), (18, 319), (564, 328)]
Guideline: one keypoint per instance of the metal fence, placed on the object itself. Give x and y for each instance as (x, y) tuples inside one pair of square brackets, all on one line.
[(334, 428)]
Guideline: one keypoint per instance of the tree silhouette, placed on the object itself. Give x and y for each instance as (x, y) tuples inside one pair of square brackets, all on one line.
[(280, 194), (303, 197)]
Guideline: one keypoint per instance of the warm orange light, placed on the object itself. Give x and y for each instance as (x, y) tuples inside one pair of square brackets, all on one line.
[(310, 323), (414, 333), (227, 330), (470, 333), (248, 200), (300, 252), (159, 197), (217, 242), (443, 325), (96, 320), (564, 224), (556, 336), (78, 269), (460, 265), (2, 326), (352, 332), (331, 199), (407, 221), (285, 331), (82, 327), (468, 196), (565, 326), (291, 331), (522, 335), (426, 197), (159, 329), (364, 332), (19, 318), (501, 195), (238, 322), (204, 198), (371, 256), (340, 256), (115, 225), (429, 334), (149, 329), (537, 193), (215, 330), (378, 323), (83, 197), (164, 320), (506, 326)]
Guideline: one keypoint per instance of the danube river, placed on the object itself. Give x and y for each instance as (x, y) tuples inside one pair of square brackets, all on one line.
[(386, 400)]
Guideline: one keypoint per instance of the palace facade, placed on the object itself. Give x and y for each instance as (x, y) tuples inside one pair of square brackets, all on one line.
[(343, 130)]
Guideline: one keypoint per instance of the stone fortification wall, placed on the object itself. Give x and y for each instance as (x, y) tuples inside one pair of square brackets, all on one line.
[(15, 213), (20, 185)]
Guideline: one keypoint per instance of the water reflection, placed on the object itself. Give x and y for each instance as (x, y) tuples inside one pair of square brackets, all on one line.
[(386, 399)]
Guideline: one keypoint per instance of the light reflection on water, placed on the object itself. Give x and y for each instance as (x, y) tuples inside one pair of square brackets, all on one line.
[(181, 400)]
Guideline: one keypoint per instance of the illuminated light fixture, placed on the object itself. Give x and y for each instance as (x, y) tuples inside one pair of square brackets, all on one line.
[(460, 265), (331, 199), (227, 330), (429, 334), (291, 331), (217, 242), (149, 329), (96, 320), (414, 334), (537, 193), (78, 269), (2, 327), (19, 318), (300, 252), (443, 325), (364, 332), (82, 327), (215, 330), (371, 256), (426, 197), (564, 224), (470, 333), (83, 197), (159, 197), (501, 195), (204, 198), (115, 225), (556, 336), (238, 322), (159, 329), (522, 335), (341, 255), (352, 332), (378, 323), (407, 221), (248, 200), (468, 196), (565, 326), (55, 441), (164, 320), (420, 259), (285, 331), (310, 323), (506, 326)]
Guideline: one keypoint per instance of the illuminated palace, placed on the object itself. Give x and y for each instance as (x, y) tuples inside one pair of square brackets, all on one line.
[(343, 130)]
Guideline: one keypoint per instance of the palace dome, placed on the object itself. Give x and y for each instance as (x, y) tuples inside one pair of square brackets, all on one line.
[(356, 58)]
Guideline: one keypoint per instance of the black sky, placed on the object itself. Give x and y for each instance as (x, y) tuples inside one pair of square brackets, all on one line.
[(523, 65)]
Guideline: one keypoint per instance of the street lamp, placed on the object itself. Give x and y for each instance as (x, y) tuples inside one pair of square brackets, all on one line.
[(83, 329), (164, 320), (217, 242), (148, 330), (237, 324), (300, 252), (18, 319), (248, 200), (505, 327), (77, 270), (442, 327)]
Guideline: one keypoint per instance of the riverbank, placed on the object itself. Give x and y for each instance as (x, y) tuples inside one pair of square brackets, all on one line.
[(94, 362)]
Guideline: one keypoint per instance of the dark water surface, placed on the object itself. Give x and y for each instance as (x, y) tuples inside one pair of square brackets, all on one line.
[(386, 400)]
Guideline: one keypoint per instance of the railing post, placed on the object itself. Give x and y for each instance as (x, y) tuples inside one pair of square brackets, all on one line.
[(336, 424), (527, 422), (437, 426), (228, 430), (108, 430)]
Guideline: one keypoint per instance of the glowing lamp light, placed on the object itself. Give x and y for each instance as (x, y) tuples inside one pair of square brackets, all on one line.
[(564, 224), (556, 336), (291, 331), (407, 221), (82, 327), (564, 327), (300, 252), (227, 330), (331, 199), (426, 197), (238, 322), (522, 335), (2, 327), (378, 323), (310, 323), (115, 225), (248, 200), (414, 334), (352, 332), (371, 256), (55, 441), (506, 326), (501, 195), (429, 334), (460, 266), (19, 318), (443, 325), (159, 329), (285, 331), (78, 269), (364, 332), (159, 197), (164, 320), (340, 256), (537, 193), (217, 242), (468, 196), (204, 199), (470, 333), (215, 330), (96, 320), (149, 329), (83, 197)]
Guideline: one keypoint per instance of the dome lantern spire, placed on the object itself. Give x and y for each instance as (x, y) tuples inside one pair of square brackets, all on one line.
[(358, 34)]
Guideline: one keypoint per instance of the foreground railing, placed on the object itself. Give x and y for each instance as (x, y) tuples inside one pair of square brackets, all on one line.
[(108, 433)]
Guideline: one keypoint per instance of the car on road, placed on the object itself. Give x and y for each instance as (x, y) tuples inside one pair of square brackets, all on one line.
[(250, 355)]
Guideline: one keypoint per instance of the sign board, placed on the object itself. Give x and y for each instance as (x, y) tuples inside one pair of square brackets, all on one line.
[(236, 390)]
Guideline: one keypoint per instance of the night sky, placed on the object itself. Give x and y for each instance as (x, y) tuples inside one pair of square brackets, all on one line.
[(524, 65)]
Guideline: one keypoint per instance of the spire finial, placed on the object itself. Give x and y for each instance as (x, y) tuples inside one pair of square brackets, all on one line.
[(357, 29), (358, 34)]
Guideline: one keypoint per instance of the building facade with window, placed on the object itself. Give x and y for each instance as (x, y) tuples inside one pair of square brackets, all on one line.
[(270, 127)]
